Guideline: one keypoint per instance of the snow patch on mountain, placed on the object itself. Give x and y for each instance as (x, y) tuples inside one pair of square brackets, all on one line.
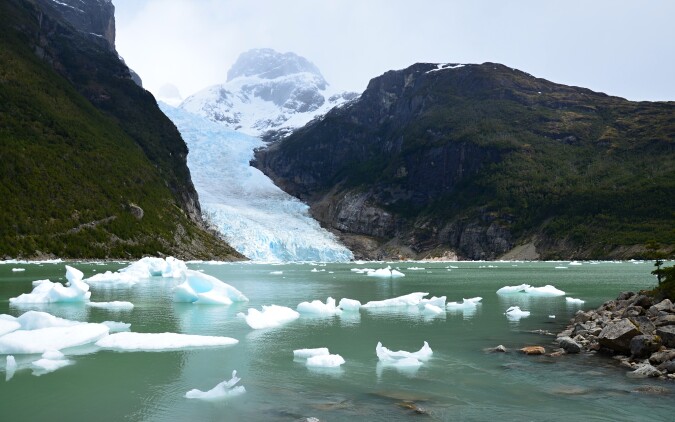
[(267, 91)]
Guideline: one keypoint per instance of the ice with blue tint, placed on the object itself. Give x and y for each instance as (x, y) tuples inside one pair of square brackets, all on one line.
[(203, 289), (221, 391), (158, 342), (271, 316), (255, 216), (316, 307), (514, 313), (44, 291), (325, 361), (144, 268)]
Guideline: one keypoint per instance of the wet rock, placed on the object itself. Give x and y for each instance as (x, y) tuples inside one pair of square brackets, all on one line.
[(569, 345), (533, 350), (625, 295), (645, 370), (667, 334), (580, 328), (580, 317), (633, 311), (617, 335), (642, 346), (667, 319), (668, 366), (662, 356)]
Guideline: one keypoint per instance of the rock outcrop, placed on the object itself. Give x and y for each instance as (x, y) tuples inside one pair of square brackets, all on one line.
[(624, 328)]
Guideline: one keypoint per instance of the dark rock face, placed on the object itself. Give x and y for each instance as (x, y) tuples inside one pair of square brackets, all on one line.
[(569, 345), (617, 335), (667, 335), (93, 18), (643, 346)]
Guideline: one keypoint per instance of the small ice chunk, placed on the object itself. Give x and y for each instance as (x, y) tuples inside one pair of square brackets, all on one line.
[(8, 325), (155, 342), (544, 291), (10, 367), (270, 317), (117, 327), (308, 353), (385, 272), (349, 304), (416, 268), (574, 263), (574, 301), (325, 361), (430, 309), (470, 303), (45, 365), (276, 272), (17, 270), (53, 355), (515, 313), (316, 307), (114, 305), (412, 299), (221, 391), (48, 292), (439, 302), (387, 356), (204, 289), (552, 316)]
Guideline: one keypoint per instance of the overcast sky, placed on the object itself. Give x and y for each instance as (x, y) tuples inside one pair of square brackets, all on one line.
[(620, 47)]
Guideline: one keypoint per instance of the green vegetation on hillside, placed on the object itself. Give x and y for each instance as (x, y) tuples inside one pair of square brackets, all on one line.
[(80, 148)]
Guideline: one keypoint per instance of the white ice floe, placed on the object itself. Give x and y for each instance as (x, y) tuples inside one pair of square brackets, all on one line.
[(325, 361), (552, 316), (385, 272), (574, 301), (574, 263), (51, 338), (10, 367), (349, 305), (204, 289), (45, 291), (116, 326), (223, 390), (142, 269), (430, 309), (308, 353), (436, 301), (470, 303), (271, 316), (545, 291), (7, 325), (115, 305), (514, 313), (412, 299), (157, 342), (45, 366), (362, 270), (316, 307), (387, 356), (416, 268), (17, 270)]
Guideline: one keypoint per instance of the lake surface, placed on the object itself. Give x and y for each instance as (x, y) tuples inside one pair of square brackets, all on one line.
[(461, 382)]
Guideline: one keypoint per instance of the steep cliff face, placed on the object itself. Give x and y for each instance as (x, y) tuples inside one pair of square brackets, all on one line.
[(93, 18), (91, 166), (475, 160)]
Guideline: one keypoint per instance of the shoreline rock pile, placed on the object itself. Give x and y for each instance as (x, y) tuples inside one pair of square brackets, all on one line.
[(634, 329)]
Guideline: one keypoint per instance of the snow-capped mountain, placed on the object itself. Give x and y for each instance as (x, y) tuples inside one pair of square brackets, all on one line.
[(267, 91)]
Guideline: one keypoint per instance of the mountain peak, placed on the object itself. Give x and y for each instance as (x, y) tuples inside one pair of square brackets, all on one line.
[(267, 63)]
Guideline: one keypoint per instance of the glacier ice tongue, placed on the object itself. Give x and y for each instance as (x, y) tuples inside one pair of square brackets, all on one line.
[(204, 289), (244, 204), (157, 342), (222, 390), (271, 316)]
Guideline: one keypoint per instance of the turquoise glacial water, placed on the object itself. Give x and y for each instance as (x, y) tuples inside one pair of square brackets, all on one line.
[(461, 382)]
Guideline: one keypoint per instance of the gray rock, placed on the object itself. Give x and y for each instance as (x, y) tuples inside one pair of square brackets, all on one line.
[(667, 334), (644, 324), (580, 328), (617, 335), (581, 317), (642, 301), (645, 370), (668, 319), (665, 305), (569, 345), (633, 311), (663, 356), (668, 366), (625, 295), (642, 345)]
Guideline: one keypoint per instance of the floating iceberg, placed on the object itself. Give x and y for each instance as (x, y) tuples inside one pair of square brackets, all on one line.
[(325, 361), (412, 299), (430, 309), (349, 304), (514, 313), (387, 356), (17, 270), (221, 391), (7, 325), (308, 353), (435, 301), (38, 338), (114, 305), (465, 304), (316, 307), (416, 268), (204, 289), (116, 327), (144, 268), (10, 367), (574, 301), (50, 362), (385, 272), (545, 291), (45, 291), (271, 316), (157, 342), (276, 272)]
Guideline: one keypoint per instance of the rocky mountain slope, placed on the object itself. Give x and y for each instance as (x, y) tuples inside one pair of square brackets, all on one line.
[(267, 94), (485, 161), (90, 167)]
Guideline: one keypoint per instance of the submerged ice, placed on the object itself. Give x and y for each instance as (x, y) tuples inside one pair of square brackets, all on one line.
[(220, 391), (256, 217)]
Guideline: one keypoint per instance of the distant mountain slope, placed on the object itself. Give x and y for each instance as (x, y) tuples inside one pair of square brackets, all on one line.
[(89, 165), (267, 94), (482, 160)]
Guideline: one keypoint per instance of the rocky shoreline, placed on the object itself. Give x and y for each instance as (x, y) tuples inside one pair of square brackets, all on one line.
[(634, 329)]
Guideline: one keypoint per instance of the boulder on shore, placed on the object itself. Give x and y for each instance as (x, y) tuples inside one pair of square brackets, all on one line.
[(617, 335)]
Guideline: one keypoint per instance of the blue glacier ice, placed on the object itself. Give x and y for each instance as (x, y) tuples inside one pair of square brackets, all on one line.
[(255, 216)]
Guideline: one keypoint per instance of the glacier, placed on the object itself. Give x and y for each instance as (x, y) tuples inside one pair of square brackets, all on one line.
[(257, 218)]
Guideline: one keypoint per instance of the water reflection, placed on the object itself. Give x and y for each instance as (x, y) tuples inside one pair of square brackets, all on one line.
[(72, 311)]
